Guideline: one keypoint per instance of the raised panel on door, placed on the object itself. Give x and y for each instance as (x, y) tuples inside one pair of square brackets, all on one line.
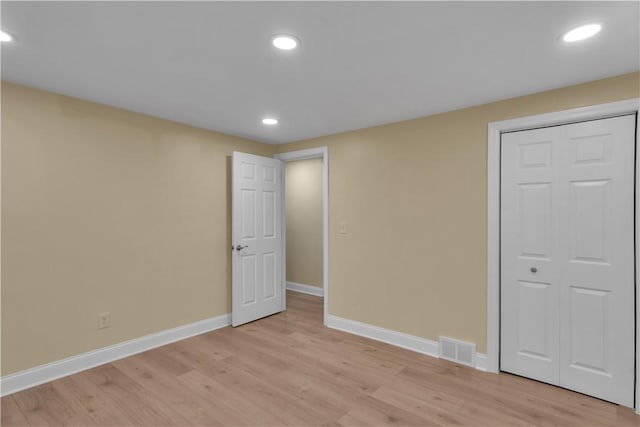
[(257, 284), (529, 325), (270, 214), (534, 217), (249, 279), (270, 266), (590, 340), (589, 221), (534, 305), (249, 219), (597, 289)]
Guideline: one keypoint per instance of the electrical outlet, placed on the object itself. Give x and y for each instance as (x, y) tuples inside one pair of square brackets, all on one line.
[(104, 320)]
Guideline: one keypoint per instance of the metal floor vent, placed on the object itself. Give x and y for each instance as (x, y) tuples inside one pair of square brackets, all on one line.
[(458, 351)]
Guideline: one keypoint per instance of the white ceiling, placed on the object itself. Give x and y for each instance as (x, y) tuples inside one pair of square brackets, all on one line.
[(211, 65)]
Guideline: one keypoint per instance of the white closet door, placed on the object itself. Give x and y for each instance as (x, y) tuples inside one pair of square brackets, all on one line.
[(567, 256), (529, 251), (597, 279)]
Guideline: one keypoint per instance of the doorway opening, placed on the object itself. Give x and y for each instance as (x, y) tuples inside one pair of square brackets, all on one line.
[(306, 226)]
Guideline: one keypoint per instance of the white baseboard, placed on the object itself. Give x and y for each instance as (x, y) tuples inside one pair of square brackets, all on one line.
[(61, 368), (305, 289), (481, 362), (398, 339)]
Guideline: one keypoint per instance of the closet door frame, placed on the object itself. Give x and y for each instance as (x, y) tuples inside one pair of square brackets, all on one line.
[(495, 129)]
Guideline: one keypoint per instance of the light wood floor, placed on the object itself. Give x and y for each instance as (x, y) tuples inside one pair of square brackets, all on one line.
[(289, 370)]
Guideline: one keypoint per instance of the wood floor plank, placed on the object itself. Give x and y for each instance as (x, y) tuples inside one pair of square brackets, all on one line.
[(276, 398), (11, 415), (134, 402), (626, 417), (234, 406), (434, 408), (525, 407), (165, 387), (43, 405), (373, 412), (288, 369), (88, 403)]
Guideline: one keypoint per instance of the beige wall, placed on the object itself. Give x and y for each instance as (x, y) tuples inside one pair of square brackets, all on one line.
[(414, 198), (107, 210), (303, 200)]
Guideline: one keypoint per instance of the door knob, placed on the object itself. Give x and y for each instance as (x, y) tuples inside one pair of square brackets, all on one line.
[(239, 248), (533, 269)]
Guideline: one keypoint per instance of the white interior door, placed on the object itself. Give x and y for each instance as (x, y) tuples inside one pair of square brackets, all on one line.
[(567, 256), (256, 237)]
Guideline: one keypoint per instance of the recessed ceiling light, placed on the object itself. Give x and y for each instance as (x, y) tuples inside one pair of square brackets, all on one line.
[(581, 33), (284, 42), (5, 37), (269, 121)]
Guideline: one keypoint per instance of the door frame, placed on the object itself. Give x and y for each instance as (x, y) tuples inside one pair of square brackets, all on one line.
[(311, 153), (495, 129)]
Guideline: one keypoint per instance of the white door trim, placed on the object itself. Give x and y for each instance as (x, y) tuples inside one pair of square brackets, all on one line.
[(629, 106), (312, 153)]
